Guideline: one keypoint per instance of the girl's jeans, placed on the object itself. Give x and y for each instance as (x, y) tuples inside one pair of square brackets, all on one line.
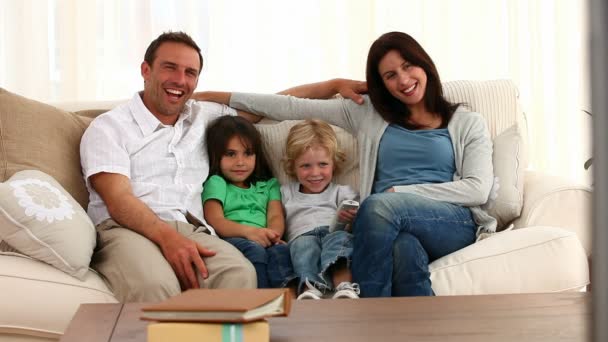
[(272, 265), (397, 235), (314, 252)]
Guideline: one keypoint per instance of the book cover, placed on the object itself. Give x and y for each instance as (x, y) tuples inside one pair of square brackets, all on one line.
[(220, 305), (221, 332)]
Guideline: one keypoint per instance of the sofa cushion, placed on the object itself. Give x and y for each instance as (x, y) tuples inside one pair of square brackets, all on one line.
[(39, 300), (527, 260), (274, 136), (507, 195), (40, 219), (36, 136), (496, 100)]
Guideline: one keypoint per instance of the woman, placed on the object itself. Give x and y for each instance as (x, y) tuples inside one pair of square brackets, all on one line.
[(425, 164)]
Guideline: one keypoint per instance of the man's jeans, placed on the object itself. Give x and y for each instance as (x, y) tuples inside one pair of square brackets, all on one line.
[(397, 235), (314, 252), (272, 265)]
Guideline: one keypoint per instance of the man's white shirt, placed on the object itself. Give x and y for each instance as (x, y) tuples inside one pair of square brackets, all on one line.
[(166, 165)]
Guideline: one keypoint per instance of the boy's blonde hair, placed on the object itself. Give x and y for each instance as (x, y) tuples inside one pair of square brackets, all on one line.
[(305, 135)]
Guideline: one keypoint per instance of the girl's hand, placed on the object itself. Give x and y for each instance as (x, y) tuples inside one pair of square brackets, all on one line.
[(280, 242), (347, 216), (264, 236), (390, 190)]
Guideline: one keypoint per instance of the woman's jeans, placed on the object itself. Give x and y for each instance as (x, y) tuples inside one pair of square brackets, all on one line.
[(272, 265), (314, 252), (397, 235)]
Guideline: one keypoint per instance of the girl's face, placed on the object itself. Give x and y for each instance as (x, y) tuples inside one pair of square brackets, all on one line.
[(237, 163), (403, 80), (314, 170)]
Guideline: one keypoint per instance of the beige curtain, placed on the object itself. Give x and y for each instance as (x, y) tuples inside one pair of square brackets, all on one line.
[(91, 50)]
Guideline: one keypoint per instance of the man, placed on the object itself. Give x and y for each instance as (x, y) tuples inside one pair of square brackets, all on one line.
[(144, 163)]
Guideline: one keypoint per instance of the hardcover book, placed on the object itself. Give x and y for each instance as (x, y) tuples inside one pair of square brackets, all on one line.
[(220, 305)]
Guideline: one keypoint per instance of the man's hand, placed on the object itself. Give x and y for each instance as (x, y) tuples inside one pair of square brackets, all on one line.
[(351, 89), (182, 254), (185, 256), (264, 236)]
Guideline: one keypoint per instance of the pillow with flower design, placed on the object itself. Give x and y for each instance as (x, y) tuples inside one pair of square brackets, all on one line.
[(40, 219)]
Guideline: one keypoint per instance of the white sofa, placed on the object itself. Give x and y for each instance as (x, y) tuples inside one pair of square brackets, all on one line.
[(545, 251)]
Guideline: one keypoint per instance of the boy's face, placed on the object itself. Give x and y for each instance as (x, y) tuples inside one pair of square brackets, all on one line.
[(314, 170)]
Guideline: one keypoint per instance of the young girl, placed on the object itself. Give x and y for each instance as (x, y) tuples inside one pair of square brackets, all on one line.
[(242, 201), (320, 258)]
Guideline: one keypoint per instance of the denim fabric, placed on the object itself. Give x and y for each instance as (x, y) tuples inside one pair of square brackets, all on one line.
[(397, 235), (314, 252), (272, 265)]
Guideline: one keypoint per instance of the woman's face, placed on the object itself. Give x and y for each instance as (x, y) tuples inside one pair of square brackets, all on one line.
[(404, 81)]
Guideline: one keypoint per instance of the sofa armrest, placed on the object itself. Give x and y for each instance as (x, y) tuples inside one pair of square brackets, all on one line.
[(554, 201)]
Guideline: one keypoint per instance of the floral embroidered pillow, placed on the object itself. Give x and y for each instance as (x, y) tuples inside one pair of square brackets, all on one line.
[(40, 219)]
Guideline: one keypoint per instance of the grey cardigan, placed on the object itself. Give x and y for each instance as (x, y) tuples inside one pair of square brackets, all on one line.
[(471, 141)]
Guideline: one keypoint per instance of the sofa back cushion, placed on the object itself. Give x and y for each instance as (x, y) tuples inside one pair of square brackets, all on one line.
[(38, 136), (496, 100)]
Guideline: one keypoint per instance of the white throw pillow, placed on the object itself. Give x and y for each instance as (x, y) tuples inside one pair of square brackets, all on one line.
[(506, 198), (40, 219)]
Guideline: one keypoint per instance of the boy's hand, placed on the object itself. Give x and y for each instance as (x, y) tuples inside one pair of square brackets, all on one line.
[(347, 216)]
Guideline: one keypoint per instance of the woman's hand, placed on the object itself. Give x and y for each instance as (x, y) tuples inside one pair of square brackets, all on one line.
[(390, 190), (351, 89)]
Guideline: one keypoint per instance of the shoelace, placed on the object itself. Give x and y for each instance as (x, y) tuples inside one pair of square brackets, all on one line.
[(349, 286), (312, 288)]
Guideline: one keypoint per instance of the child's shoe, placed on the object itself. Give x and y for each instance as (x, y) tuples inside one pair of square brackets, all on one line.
[(311, 293), (347, 290)]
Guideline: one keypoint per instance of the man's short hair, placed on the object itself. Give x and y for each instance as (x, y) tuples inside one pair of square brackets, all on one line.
[(176, 37)]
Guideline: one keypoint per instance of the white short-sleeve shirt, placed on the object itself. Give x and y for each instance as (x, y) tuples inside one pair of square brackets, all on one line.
[(166, 165)]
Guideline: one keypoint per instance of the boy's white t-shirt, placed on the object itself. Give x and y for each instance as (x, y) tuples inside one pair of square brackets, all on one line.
[(304, 212)]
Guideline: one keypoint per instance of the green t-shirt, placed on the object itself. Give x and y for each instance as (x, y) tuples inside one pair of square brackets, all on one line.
[(244, 206)]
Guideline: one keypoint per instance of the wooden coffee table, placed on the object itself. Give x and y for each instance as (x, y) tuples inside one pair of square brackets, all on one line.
[(521, 317)]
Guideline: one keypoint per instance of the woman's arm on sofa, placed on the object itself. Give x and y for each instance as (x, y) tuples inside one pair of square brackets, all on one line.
[(349, 89), (223, 97)]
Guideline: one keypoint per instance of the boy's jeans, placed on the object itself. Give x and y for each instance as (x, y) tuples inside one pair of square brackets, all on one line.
[(272, 265), (397, 235), (314, 252)]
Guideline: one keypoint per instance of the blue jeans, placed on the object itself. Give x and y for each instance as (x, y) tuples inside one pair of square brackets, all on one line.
[(314, 252), (272, 265), (397, 235)]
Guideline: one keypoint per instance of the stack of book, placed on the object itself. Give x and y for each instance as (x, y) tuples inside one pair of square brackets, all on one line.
[(226, 315)]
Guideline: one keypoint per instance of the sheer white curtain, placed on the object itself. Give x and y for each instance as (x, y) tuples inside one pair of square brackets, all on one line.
[(88, 50)]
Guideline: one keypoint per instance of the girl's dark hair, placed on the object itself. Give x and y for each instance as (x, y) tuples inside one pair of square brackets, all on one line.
[(219, 134), (390, 108)]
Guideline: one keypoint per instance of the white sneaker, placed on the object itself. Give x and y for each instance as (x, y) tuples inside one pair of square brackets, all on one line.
[(311, 293), (347, 290)]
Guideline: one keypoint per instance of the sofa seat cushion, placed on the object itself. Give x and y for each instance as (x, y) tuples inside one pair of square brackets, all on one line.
[(39, 300), (527, 260)]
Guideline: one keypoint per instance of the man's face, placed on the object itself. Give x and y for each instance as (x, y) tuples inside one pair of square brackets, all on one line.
[(170, 80)]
